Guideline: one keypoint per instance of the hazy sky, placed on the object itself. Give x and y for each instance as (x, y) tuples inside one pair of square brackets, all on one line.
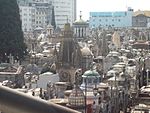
[(87, 6)]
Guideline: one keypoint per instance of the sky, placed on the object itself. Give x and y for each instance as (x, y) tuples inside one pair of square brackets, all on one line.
[(87, 6)]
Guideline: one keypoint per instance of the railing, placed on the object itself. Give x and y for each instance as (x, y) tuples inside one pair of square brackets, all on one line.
[(16, 102)]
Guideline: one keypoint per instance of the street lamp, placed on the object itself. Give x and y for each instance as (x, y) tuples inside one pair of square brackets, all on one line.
[(95, 91), (85, 92)]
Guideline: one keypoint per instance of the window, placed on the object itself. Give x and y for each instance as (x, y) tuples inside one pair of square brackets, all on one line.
[(33, 20), (25, 19), (33, 11), (25, 29), (25, 9)]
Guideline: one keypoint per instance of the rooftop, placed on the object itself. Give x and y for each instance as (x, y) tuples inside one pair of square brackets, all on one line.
[(109, 14), (139, 12), (91, 73)]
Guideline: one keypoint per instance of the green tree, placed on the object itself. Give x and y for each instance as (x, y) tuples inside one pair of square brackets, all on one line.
[(11, 35)]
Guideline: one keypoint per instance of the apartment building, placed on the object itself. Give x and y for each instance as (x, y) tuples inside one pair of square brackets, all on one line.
[(111, 19), (35, 13), (65, 10)]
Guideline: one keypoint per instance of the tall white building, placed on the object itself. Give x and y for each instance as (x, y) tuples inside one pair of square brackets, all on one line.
[(65, 10), (26, 15), (35, 13)]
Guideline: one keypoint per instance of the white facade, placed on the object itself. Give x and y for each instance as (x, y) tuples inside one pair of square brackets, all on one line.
[(34, 13), (65, 10), (111, 19), (26, 15), (47, 77)]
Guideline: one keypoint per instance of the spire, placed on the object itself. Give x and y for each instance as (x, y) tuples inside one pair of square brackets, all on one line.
[(116, 39), (53, 23), (67, 20)]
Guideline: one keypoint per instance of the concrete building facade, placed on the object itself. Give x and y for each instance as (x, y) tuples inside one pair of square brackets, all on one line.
[(26, 18), (111, 19), (65, 10), (35, 13), (141, 19)]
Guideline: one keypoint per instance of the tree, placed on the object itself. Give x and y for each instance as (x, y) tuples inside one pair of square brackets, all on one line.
[(11, 35)]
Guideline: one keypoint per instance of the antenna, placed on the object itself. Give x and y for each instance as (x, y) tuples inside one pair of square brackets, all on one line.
[(126, 4)]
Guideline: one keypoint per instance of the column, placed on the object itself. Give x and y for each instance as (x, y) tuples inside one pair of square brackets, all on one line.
[(85, 32), (82, 31), (77, 32)]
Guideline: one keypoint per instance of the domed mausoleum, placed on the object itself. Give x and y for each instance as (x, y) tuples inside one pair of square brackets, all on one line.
[(91, 78), (81, 28), (76, 99), (87, 58)]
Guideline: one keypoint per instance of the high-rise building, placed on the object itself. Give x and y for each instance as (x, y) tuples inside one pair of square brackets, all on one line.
[(65, 10), (26, 13), (35, 13)]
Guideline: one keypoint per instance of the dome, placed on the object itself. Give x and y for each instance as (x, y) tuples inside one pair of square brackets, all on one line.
[(76, 98), (91, 73), (86, 51), (80, 21)]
